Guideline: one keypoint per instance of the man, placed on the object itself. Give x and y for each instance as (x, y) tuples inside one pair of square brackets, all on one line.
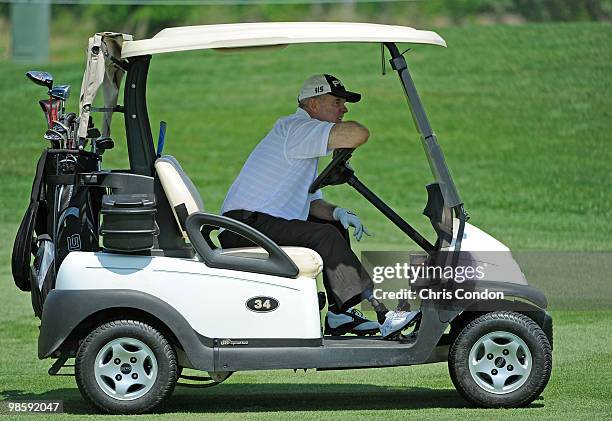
[(271, 195)]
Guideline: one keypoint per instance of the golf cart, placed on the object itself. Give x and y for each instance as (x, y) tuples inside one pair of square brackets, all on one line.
[(148, 304)]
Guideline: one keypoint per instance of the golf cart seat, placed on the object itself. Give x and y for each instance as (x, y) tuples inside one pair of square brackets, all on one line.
[(185, 200)]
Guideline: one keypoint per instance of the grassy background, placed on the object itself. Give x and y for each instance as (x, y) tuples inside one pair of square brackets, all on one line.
[(524, 115)]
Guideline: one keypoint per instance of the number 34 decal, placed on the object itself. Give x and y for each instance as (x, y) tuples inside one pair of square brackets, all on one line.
[(262, 304)]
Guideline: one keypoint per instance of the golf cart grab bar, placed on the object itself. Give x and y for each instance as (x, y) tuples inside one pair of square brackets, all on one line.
[(277, 263)]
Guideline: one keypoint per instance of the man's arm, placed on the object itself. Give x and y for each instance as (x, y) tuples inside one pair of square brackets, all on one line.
[(321, 209), (347, 134)]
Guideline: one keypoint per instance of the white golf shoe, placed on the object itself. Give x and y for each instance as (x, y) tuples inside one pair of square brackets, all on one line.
[(350, 321), (396, 321)]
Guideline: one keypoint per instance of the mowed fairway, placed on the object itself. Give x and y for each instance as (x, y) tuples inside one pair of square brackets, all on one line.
[(524, 115)]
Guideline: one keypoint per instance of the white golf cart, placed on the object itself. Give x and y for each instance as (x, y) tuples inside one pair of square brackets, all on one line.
[(149, 304)]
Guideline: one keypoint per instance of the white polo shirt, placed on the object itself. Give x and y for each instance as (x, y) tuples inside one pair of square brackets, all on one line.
[(276, 176)]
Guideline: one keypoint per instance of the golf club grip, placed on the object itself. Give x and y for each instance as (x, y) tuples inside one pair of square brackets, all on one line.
[(161, 138)]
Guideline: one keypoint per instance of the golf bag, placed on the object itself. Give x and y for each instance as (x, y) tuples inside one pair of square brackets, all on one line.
[(62, 217)]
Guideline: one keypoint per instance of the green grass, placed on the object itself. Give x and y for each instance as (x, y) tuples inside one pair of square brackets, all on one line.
[(579, 387), (524, 115)]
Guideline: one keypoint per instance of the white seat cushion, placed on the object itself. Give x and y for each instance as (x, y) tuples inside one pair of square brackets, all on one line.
[(178, 188), (308, 261)]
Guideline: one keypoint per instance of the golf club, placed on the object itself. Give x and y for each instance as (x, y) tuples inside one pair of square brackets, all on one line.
[(51, 107), (64, 130), (56, 138), (41, 78), (61, 92), (69, 121)]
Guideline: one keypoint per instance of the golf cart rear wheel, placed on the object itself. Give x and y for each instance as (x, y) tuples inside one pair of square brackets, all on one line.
[(125, 367), (500, 359)]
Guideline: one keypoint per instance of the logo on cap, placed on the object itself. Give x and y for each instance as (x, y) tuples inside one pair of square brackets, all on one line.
[(323, 83)]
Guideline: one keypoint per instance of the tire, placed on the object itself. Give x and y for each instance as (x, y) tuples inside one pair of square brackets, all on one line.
[(500, 360), (135, 351)]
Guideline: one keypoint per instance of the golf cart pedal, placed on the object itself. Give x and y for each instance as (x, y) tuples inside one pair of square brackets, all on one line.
[(409, 338), (416, 322), (397, 336), (58, 365)]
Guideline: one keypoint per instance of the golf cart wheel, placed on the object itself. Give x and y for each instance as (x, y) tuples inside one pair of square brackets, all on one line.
[(500, 359), (125, 367)]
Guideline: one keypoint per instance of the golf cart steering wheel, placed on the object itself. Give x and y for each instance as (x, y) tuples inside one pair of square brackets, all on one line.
[(336, 172)]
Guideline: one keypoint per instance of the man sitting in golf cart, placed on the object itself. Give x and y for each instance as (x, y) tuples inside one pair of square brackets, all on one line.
[(271, 195)]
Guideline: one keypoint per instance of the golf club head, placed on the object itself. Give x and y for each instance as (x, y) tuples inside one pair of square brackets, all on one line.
[(69, 119), (54, 137), (41, 78), (61, 92), (60, 127)]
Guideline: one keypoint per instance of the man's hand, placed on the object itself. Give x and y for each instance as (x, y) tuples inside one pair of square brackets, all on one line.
[(346, 218)]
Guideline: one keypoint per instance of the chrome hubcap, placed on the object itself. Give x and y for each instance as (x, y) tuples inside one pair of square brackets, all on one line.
[(500, 362), (125, 369)]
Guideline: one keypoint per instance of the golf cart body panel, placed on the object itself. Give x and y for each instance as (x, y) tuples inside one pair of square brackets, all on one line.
[(66, 310), (253, 35), (481, 249), (203, 294)]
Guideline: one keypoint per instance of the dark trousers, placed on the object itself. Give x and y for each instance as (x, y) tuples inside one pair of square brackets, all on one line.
[(343, 276)]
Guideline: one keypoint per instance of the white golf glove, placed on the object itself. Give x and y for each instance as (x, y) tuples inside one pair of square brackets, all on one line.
[(346, 218)]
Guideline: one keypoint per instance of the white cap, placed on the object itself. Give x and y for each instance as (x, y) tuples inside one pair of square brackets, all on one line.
[(326, 84)]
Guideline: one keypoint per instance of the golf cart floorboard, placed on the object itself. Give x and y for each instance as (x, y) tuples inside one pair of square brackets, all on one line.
[(365, 341), (335, 353)]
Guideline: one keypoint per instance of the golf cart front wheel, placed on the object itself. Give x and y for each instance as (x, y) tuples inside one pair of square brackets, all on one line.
[(125, 367), (500, 359)]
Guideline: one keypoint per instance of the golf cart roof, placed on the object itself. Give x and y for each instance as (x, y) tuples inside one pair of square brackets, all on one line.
[(245, 35)]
